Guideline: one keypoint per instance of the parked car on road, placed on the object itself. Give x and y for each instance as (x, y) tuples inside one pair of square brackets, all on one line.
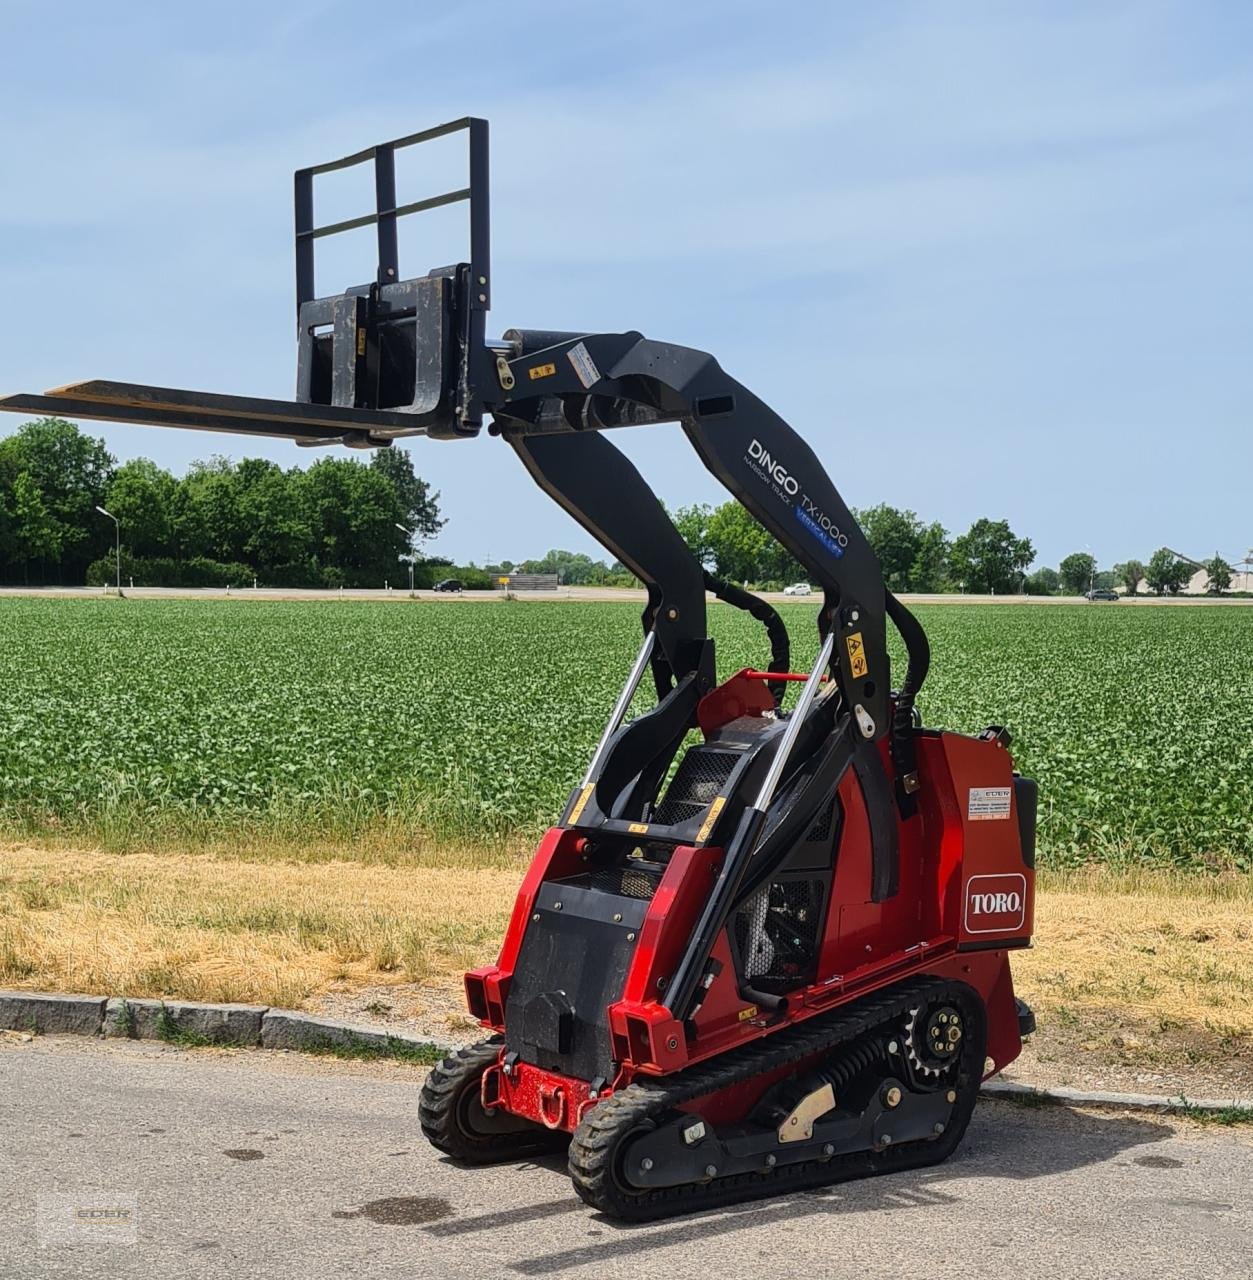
[(798, 589), (1100, 593), (448, 584)]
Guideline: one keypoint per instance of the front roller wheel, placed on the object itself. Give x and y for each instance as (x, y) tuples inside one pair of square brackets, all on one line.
[(454, 1120)]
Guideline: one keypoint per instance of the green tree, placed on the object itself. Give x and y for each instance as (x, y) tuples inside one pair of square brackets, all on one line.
[(71, 472), (37, 534), (419, 505), (1077, 571), (1219, 575), (353, 511), (989, 558), (1130, 574), (911, 554), (1165, 572), (143, 495), (8, 548), (743, 551), (893, 536), (693, 526), (278, 537), (208, 520), (1043, 582), (737, 543), (929, 570)]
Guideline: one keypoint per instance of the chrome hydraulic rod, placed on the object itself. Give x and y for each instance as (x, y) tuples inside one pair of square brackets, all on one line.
[(620, 707), (691, 972)]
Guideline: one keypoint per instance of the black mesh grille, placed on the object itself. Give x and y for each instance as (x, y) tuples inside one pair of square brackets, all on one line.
[(777, 931), (628, 882), (821, 830), (697, 782)]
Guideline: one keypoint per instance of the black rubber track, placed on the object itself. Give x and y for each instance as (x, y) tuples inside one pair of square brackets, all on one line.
[(449, 1102), (598, 1141)]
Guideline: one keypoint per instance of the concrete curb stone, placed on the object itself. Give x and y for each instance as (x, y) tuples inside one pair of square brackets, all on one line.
[(221, 1023), (48, 1014), (283, 1029), (1012, 1090)]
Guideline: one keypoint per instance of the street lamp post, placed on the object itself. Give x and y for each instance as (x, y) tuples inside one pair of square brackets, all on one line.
[(408, 534), (117, 525)]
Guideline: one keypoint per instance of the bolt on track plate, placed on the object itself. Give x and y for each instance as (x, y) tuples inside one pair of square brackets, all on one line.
[(798, 1124)]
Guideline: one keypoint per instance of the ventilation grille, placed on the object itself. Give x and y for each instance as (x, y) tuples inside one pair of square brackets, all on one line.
[(821, 830), (777, 931), (627, 882), (700, 778)]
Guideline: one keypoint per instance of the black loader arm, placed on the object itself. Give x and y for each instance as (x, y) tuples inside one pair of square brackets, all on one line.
[(598, 381), (595, 483)]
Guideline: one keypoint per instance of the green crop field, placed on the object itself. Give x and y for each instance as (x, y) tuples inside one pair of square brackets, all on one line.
[(129, 719)]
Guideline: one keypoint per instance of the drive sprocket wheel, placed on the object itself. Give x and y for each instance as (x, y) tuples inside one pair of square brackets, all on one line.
[(933, 1037), (453, 1118)]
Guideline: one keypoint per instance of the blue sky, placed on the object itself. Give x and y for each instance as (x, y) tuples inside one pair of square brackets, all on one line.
[(989, 258)]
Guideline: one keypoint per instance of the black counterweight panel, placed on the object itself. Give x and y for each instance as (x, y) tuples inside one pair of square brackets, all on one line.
[(571, 967)]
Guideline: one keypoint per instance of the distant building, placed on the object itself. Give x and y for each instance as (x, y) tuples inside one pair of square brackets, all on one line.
[(528, 581)]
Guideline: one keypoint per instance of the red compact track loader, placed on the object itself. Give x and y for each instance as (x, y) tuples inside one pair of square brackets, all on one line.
[(766, 946)]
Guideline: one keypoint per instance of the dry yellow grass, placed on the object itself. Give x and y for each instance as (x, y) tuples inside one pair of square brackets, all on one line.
[(1157, 965), (1147, 968), (204, 928)]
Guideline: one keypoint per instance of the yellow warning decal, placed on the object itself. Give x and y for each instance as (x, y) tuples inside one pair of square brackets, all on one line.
[(361, 342), (856, 654), (542, 371), (638, 828), (581, 803), (745, 1014), (710, 818)]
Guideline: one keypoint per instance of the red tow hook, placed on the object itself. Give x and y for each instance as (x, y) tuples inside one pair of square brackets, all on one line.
[(489, 1088), (550, 1094)]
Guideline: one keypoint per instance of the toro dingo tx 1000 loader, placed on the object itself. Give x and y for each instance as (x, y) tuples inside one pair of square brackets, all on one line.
[(785, 961)]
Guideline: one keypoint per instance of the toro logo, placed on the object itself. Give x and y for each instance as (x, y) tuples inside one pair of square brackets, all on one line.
[(995, 904)]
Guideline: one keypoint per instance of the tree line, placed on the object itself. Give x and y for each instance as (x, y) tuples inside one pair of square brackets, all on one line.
[(919, 556), (334, 523), (915, 555), (1164, 574), (346, 522)]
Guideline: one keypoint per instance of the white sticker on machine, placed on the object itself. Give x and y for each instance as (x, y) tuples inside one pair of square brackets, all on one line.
[(584, 365), (988, 804)]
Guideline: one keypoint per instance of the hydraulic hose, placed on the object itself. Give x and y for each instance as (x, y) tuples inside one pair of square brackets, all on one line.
[(916, 647), (904, 758), (780, 645)]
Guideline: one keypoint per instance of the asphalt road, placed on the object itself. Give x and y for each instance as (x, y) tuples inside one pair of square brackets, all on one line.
[(254, 1164)]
